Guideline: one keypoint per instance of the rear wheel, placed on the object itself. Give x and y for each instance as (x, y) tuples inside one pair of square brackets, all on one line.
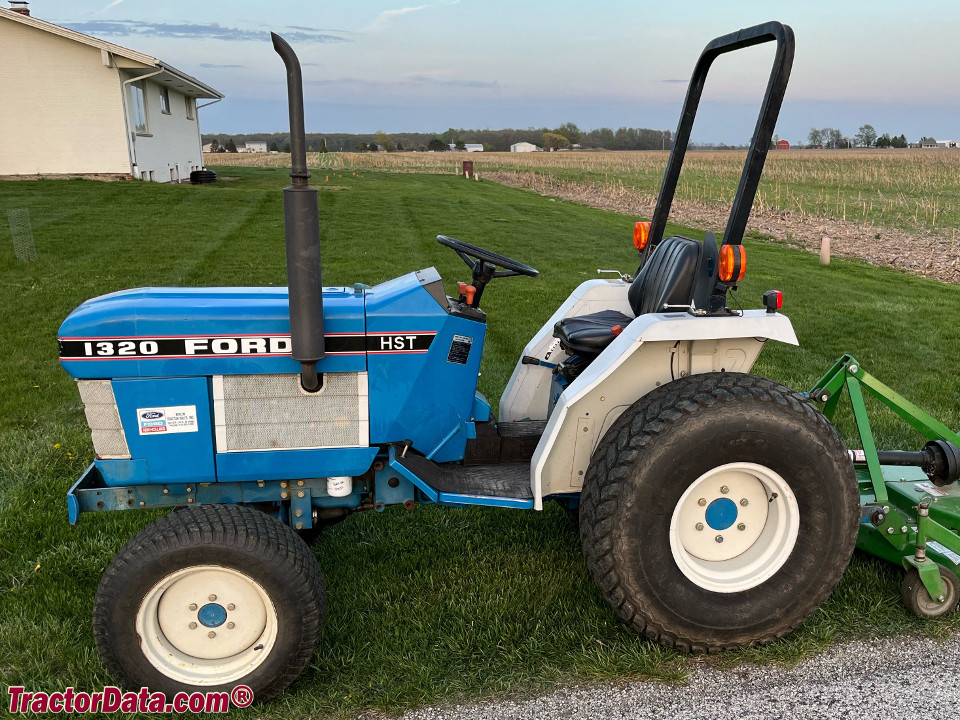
[(719, 511), (210, 598)]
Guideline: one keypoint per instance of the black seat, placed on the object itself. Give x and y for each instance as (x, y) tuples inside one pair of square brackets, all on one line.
[(590, 334), (679, 271)]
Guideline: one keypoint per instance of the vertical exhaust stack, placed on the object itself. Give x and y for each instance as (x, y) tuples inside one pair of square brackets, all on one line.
[(301, 219)]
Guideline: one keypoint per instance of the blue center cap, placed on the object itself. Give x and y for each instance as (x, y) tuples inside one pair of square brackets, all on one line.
[(721, 513), (212, 615)]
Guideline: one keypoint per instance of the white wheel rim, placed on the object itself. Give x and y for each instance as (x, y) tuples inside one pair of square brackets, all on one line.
[(206, 625), (734, 527)]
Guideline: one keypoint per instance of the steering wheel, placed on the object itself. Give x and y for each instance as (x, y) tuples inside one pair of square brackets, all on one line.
[(471, 254)]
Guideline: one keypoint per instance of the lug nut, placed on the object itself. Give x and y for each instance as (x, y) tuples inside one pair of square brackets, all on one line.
[(193, 626), (211, 598), (231, 606), (192, 606), (699, 526), (741, 526), (701, 502), (211, 634), (719, 538), (230, 626), (724, 489), (744, 502)]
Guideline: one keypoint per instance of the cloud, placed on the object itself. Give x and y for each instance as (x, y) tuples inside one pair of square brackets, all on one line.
[(210, 31), (108, 6), (437, 78), (408, 81), (382, 20), (218, 65), (674, 80)]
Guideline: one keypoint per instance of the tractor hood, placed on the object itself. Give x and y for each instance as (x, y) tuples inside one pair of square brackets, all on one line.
[(203, 331)]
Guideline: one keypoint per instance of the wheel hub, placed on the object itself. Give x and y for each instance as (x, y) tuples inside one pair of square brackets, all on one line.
[(721, 513), (212, 615)]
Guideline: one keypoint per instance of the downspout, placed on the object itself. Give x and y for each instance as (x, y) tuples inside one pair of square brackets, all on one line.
[(196, 116), (131, 148)]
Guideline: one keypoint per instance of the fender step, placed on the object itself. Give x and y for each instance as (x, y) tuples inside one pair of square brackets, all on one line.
[(501, 484)]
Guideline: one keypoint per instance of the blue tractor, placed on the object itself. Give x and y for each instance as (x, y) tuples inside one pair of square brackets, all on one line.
[(717, 509)]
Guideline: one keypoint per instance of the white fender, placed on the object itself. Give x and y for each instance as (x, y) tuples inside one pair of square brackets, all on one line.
[(527, 395), (651, 351)]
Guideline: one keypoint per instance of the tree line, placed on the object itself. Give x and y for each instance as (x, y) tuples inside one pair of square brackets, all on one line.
[(565, 136), (866, 136)]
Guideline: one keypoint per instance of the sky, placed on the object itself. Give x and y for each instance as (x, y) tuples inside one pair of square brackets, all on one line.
[(426, 65)]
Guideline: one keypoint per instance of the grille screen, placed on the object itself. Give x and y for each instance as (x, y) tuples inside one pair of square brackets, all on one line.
[(100, 406), (272, 412)]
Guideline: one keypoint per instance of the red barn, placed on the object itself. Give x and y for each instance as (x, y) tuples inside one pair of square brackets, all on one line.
[(783, 145)]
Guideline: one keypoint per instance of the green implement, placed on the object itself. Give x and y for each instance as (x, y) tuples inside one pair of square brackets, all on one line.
[(910, 501)]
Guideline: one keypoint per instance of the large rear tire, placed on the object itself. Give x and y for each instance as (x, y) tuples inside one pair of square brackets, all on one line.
[(207, 599), (719, 511)]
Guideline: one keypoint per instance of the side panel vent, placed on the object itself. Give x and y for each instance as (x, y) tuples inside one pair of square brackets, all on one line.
[(100, 406), (272, 412)]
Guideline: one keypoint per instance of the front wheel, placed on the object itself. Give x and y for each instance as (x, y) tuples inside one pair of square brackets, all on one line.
[(719, 511), (207, 599)]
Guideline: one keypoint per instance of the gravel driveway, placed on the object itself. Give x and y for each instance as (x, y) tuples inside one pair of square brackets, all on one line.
[(909, 678)]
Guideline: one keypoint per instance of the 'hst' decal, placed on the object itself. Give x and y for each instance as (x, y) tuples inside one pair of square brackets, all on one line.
[(167, 347)]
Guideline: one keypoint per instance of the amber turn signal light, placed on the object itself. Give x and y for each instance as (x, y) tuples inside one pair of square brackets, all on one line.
[(733, 263), (641, 235)]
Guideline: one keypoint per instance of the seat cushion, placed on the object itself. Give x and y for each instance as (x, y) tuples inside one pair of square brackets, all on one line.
[(589, 334)]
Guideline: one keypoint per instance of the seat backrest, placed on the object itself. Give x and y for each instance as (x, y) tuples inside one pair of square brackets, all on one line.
[(668, 278)]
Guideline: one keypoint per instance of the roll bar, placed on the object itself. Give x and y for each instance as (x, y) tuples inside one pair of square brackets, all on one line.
[(762, 134)]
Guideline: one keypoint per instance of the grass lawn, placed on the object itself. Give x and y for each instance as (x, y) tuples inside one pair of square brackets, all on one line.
[(431, 605)]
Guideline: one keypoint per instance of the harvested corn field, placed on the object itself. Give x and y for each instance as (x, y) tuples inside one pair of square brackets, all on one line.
[(899, 208)]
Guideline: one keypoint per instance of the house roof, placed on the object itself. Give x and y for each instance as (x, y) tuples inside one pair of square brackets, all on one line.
[(148, 64)]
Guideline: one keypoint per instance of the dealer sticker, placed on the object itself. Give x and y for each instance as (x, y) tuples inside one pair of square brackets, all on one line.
[(176, 419)]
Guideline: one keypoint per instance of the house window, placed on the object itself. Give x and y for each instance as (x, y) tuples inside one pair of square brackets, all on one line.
[(138, 109), (191, 104), (164, 100)]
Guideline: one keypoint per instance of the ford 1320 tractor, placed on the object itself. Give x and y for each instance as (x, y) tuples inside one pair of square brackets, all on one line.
[(717, 509)]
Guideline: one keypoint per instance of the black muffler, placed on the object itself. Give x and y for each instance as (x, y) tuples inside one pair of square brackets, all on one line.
[(301, 220)]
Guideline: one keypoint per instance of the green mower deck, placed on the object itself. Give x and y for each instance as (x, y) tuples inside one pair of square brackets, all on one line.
[(910, 515)]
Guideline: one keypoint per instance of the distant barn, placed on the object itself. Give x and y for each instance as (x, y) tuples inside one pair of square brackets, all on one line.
[(783, 145), (82, 106), (523, 147)]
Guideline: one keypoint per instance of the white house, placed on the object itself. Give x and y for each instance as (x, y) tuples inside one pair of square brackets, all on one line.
[(253, 146), (523, 147), (948, 143), (77, 105), (468, 147)]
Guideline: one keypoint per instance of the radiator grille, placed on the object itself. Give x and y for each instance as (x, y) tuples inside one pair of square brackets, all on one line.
[(272, 412), (100, 406)]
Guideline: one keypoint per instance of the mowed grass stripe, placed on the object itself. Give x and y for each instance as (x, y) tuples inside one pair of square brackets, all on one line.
[(431, 605)]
